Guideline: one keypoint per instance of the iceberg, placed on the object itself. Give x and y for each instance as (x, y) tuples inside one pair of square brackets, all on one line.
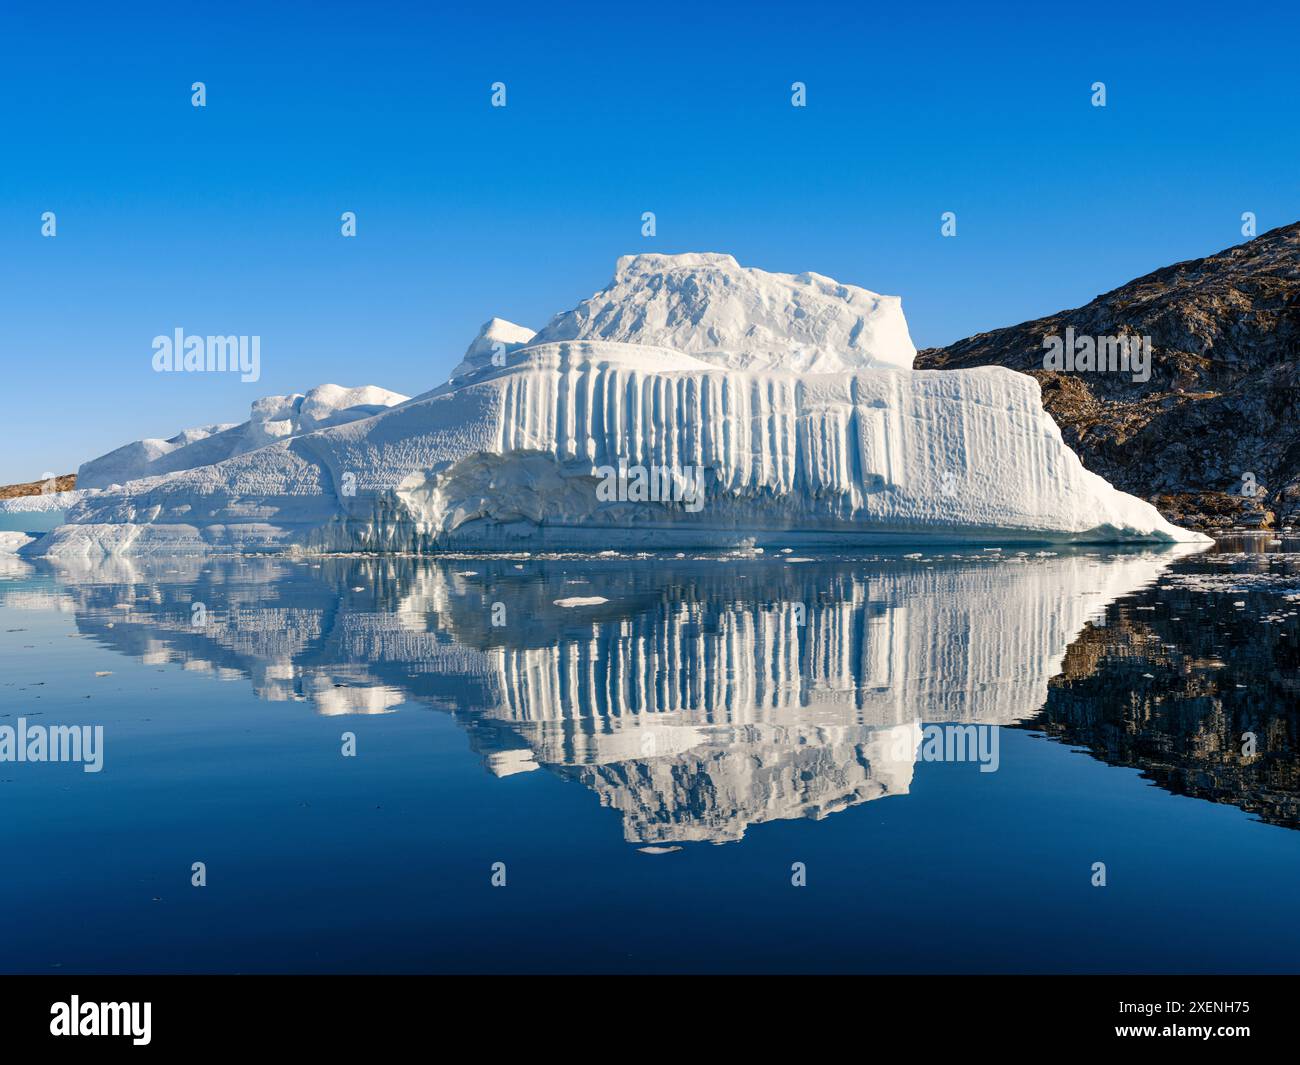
[(786, 403), (272, 418)]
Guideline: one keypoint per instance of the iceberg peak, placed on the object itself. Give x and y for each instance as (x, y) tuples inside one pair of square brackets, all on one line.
[(650, 262), (707, 305), (495, 337)]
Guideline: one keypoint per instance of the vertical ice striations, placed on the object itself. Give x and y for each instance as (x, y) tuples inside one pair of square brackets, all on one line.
[(691, 403), (782, 457)]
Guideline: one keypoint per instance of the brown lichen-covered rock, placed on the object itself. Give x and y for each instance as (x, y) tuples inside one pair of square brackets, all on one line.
[(66, 483), (1213, 437)]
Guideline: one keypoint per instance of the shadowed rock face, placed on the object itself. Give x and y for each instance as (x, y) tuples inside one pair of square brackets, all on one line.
[(1223, 392)]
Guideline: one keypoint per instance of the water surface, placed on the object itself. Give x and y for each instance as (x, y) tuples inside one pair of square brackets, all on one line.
[(654, 747)]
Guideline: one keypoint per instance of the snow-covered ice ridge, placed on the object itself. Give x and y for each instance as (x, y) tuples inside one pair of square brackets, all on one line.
[(272, 418), (791, 396)]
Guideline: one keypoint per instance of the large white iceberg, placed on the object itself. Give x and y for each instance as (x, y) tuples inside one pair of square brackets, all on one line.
[(691, 403)]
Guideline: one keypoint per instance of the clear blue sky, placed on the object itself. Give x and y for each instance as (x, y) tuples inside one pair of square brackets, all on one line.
[(226, 219)]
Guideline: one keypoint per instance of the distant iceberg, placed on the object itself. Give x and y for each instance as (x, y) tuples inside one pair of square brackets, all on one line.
[(272, 418), (691, 403)]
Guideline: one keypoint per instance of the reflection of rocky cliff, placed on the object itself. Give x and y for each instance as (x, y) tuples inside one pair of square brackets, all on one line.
[(699, 697), (1172, 684)]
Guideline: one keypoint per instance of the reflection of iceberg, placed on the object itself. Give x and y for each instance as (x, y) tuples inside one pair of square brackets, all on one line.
[(699, 698), (749, 775), (334, 700), (939, 641)]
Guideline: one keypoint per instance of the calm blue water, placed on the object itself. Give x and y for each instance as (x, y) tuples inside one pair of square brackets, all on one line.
[(733, 715)]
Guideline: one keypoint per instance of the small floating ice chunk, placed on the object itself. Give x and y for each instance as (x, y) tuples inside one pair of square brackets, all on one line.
[(12, 542)]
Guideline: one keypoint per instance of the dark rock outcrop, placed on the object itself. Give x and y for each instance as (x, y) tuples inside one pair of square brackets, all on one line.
[(1220, 413)]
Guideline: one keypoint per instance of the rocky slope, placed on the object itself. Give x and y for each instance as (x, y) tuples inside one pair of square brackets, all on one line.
[(63, 483), (1221, 400)]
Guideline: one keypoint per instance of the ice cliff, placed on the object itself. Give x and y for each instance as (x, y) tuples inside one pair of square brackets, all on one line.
[(766, 408)]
